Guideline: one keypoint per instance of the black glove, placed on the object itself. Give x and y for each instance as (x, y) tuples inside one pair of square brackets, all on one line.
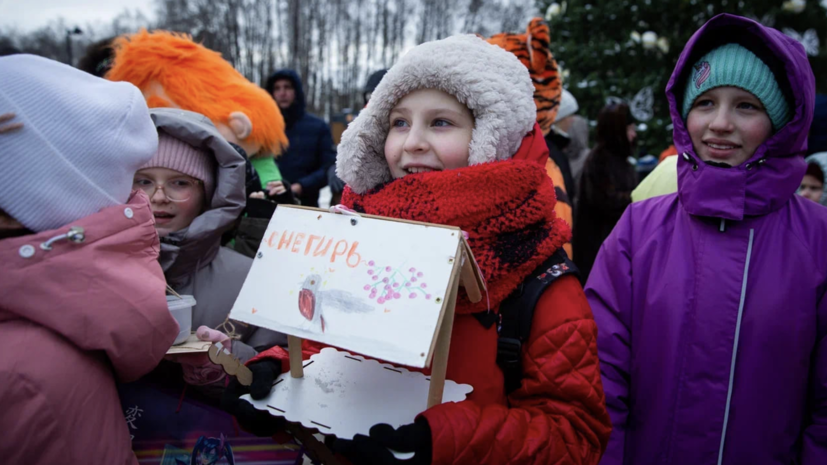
[(260, 208), (258, 422), (374, 449)]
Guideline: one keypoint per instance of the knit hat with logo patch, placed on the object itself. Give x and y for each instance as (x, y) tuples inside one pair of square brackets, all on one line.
[(734, 65)]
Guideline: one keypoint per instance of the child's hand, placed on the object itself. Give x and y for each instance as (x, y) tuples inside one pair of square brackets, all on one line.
[(275, 188), (256, 421), (5, 118), (198, 369), (257, 195)]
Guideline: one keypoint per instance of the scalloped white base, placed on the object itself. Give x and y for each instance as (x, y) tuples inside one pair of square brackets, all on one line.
[(344, 395)]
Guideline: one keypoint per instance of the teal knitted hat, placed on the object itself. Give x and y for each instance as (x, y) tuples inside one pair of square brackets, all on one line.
[(734, 65)]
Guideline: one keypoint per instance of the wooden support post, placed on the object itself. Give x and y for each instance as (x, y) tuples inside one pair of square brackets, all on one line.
[(294, 347), (468, 279), (313, 446), (443, 344)]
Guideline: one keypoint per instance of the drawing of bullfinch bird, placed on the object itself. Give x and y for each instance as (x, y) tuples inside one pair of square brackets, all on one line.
[(312, 298)]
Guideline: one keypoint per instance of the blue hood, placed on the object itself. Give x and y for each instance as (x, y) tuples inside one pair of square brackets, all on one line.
[(296, 110)]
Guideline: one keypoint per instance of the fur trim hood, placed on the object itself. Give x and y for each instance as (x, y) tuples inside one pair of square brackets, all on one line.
[(491, 82)]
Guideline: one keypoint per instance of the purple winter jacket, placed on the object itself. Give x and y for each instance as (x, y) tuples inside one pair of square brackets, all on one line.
[(710, 303)]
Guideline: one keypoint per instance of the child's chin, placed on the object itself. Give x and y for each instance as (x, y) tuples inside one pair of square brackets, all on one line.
[(163, 231)]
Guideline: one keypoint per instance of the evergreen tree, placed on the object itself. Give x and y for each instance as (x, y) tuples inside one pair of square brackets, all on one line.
[(619, 48)]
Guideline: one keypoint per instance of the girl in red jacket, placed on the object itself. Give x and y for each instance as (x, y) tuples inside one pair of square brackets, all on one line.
[(449, 137)]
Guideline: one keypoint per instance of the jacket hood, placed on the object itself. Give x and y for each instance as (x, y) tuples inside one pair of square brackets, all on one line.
[(296, 110), (103, 291), (771, 176), (184, 252)]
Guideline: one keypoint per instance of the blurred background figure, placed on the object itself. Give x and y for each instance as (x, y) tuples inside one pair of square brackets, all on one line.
[(576, 130), (311, 151), (817, 140), (812, 186), (606, 184), (98, 58)]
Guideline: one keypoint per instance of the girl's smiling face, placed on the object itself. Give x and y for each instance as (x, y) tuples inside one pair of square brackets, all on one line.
[(429, 131), (727, 124)]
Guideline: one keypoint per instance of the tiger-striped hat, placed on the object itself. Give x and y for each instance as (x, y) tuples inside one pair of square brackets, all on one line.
[(490, 81)]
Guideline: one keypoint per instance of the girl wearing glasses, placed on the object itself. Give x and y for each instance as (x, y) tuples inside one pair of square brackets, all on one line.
[(196, 186)]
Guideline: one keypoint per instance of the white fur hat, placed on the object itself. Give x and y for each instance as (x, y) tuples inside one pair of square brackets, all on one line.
[(568, 106), (490, 81)]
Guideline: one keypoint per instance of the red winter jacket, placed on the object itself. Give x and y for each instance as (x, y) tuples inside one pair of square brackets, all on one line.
[(558, 416)]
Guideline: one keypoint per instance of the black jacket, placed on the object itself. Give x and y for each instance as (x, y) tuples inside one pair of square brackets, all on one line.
[(604, 192), (311, 150)]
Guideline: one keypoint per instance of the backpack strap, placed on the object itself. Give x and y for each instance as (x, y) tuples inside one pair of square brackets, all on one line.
[(517, 312)]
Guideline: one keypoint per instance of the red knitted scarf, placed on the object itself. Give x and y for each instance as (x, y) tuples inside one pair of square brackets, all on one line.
[(506, 207)]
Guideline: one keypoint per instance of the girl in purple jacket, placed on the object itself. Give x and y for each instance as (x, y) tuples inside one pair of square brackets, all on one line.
[(710, 302)]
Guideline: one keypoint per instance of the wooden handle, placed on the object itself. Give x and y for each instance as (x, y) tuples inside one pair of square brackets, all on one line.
[(294, 346), (231, 365)]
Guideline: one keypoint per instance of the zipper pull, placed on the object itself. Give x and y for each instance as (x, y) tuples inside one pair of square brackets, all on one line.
[(723, 225)]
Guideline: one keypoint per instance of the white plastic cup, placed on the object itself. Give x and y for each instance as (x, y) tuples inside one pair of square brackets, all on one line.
[(181, 310)]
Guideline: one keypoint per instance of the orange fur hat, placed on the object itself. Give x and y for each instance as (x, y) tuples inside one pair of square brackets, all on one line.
[(173, 71), (532, 48)]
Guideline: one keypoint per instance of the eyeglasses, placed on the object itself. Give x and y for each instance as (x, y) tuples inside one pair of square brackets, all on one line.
[(175, 190)]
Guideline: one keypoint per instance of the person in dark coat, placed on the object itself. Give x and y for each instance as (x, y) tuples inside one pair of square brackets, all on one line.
[(311, 151), (605, 189), (557, 143), (98, 58), (818, 130)]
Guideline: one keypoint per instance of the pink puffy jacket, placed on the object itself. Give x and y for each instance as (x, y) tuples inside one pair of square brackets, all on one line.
[(72, 319)]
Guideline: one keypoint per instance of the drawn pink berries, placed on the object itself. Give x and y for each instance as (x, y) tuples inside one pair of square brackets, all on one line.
[(386, 282)]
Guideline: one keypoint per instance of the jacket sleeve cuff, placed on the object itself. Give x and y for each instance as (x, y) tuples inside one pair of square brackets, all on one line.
[(447, 442), (311, 182), (273, 353)]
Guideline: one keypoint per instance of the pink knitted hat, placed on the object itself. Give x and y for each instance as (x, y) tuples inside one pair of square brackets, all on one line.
[(177, 155)]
